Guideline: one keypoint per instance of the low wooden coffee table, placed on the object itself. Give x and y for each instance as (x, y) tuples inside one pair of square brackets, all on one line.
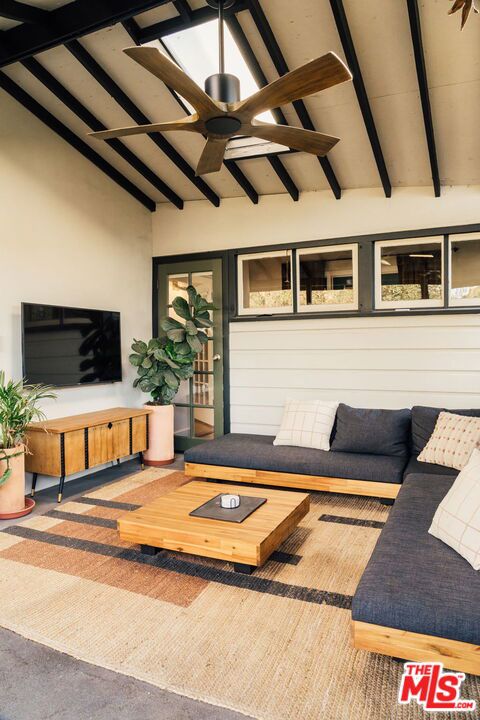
[(166, 524)]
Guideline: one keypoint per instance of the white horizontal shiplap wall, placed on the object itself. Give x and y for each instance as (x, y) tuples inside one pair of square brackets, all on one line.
[(388, 362)]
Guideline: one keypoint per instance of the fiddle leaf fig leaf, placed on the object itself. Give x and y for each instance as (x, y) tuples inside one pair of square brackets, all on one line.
[(180, 306), (203, 337), (135, 360), (171, 380), (147, 363), (139, 346), (191, 328), (194, 343), (177, 335), (169, 323)]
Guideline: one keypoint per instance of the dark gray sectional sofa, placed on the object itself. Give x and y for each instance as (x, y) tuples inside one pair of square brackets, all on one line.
[(418, 599)]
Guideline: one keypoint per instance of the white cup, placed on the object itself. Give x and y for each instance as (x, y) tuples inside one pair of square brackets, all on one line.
[(230, 501)]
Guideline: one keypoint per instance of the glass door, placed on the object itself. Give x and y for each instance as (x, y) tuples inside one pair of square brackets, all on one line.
[(199, 401)]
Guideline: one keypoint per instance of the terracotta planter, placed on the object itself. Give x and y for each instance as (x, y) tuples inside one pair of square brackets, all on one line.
[(160, 436), (12, 492)]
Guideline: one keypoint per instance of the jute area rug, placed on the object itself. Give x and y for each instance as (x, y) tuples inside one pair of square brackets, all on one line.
[(274, 645)]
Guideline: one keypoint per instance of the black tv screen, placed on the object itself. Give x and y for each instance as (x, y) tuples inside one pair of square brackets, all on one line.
[(65, 346)]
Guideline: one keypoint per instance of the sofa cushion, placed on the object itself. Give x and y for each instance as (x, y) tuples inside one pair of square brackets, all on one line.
[(413, 581), (379, 432), (453, 441), (257, 452), (457, 519), (415, 467), (307, 423), (424, 420)]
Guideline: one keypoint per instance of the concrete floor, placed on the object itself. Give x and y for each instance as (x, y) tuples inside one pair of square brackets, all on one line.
[(37, 683)]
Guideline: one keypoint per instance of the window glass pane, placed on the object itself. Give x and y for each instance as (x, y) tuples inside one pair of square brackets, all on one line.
[(204, 423), (203, 389), (203, 283), (465, 270), (177, 285), (267, 282), (411, 272), (326, 278), (182, 421), (204, 360), (183, 394)]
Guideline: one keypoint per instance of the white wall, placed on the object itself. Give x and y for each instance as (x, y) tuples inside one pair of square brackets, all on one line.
[(317, 215), (389, 362), (68, 236)]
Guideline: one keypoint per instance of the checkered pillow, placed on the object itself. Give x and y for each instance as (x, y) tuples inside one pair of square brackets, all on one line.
[(452, 441), (307, 423), (457, 519)]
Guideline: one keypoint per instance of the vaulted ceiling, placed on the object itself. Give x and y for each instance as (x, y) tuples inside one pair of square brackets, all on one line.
[(410, 118)]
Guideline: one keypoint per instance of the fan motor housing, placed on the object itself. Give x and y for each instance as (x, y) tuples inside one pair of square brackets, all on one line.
[(223, 87)]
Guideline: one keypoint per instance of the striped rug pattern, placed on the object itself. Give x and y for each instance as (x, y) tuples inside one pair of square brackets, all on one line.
[(274, 645)]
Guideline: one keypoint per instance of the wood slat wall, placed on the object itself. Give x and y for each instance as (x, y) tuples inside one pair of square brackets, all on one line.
[(388, 362)]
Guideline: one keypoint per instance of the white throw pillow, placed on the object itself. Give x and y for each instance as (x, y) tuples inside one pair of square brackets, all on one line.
[(452, 441), (307, 423), (457, 519)]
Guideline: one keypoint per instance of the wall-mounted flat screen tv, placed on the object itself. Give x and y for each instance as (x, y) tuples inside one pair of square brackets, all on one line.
[(64, 346)]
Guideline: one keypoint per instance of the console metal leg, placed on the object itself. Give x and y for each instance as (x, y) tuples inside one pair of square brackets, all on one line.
[(60, 488), (244, 569), (141, 460), (149, 550), (34, 483)]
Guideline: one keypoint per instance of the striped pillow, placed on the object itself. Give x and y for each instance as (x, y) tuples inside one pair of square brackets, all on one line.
[(452, 441), (457, 519), (307, 423)]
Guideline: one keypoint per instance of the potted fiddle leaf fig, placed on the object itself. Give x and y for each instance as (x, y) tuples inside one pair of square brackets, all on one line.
[(163, 363), (18, 407)]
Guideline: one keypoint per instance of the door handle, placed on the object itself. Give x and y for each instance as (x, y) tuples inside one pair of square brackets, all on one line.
[(217, 357)]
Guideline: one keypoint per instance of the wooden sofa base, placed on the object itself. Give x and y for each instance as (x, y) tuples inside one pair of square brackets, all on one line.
[(455, 655), (292, 480)]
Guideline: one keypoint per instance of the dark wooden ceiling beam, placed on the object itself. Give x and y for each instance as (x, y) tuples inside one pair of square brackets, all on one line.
[(416, 33), (111, 87), (21, 12), (133, 29), (362, 97), (68, 23), (76, 107), (66, 134), (183, 9), (261, 80), (197, 17), (270, 41)]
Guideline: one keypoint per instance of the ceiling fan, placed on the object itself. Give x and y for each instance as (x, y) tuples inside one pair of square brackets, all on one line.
[(219, 112)]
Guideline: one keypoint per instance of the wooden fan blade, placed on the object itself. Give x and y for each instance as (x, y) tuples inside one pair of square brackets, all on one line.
[(212, 156), (322, 73), (166, 70), (304, 140), (188, 123)]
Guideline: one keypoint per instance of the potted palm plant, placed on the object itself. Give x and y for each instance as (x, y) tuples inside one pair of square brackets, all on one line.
[(163, 363), (18, 408)]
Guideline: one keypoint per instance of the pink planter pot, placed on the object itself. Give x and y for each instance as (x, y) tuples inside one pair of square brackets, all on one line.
[(160, 436), (12, 492)]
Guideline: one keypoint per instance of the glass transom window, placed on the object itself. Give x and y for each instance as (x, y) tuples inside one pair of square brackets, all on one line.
[(464, 270), (327, 278), (409, 273), (265, 283)]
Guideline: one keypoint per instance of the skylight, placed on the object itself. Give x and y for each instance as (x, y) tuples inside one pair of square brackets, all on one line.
[(196, 51)]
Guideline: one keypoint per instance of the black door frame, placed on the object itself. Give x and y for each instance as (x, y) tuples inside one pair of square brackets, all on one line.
[(226, 309)]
